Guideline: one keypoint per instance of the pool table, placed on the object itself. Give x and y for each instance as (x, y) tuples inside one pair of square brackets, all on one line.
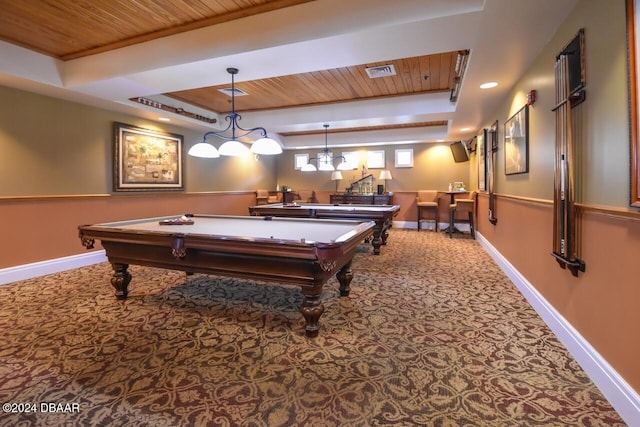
[(304, 252), (382, 215)]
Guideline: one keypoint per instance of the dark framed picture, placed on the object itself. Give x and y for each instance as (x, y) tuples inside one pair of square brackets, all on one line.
[(147, 160), (516, 143), (634, 46), (482, 160)]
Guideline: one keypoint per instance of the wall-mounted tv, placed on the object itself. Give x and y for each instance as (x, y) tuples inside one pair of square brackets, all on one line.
[(574, 51), (459, 152)]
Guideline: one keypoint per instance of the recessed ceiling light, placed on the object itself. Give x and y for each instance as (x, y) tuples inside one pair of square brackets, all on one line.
[(465, 129), (488, 85), (164, 119)]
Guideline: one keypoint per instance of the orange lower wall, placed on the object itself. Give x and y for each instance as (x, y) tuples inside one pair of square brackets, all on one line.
[(407, 201), (601, 303), (44, 228)]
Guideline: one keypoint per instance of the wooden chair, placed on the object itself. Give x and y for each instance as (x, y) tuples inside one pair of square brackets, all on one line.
[(467, 205), (262, 197), (428, 200), (275, 198), (265, 197), (307, 196)]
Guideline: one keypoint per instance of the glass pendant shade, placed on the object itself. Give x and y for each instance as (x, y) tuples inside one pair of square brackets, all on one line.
[(233, 148), (343, 166), (308, 168), (204, 150), (266, 146), (325, 164)]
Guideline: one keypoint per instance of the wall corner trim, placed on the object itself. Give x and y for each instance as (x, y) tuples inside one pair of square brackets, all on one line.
[(36, 269), (624, 399)]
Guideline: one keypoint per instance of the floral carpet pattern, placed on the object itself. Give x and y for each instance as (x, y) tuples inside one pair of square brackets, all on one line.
[(432, 334)]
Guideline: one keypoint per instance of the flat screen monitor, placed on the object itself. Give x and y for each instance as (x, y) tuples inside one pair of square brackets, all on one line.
[(459, 152), (575, 61)]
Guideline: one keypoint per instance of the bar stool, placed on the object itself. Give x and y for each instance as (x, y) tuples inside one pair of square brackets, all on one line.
[(427, 200), (467, 205)]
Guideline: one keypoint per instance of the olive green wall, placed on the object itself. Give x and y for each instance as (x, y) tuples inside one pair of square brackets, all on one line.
[(601, 123), (433, 168), (600, 303), (53, 147)]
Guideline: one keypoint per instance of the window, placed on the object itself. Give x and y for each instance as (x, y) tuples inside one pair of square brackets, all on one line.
[(375, 159), (404, 158)]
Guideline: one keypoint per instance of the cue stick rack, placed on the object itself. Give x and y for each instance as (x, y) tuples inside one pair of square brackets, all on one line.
[(491, 144), (565, 219)]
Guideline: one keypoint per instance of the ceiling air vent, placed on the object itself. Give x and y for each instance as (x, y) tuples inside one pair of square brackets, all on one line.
[(381, 71), (235, 91)]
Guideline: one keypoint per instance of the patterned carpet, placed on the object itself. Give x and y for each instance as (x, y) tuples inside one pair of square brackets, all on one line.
[(432, 334)]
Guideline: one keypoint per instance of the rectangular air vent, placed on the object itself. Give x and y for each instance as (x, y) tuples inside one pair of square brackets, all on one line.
[(237, 92), (381, 71)]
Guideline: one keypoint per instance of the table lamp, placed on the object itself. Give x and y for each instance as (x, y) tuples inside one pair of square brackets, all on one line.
[(336, 176), (385, 174)]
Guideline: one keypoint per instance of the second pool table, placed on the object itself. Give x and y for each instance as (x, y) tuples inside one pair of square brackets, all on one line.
[(382, 215)]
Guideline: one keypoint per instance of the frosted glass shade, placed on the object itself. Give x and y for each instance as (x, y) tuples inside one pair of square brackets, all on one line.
[(233, 148), (266, 146), (204, 150)]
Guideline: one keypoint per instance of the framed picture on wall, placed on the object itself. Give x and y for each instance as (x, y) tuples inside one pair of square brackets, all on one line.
[(516, 143), (147, 160), (634, 87), (482, 160)]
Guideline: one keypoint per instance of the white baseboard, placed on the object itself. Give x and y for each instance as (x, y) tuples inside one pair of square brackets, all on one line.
[(36, 269), (618, 392), (410, 225)]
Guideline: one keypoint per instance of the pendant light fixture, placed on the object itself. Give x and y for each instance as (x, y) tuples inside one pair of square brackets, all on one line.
[(233, 147), (325, 159)]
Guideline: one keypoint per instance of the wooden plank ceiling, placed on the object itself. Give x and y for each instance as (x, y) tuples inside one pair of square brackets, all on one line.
[(69, 29), (418, 75)]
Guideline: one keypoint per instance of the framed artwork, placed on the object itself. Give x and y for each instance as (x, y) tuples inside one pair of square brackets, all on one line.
[(147, 160), (491, 144), (299, 160), (404, 158), (375, 159), (516, 143), (482, 160), (634, 46)]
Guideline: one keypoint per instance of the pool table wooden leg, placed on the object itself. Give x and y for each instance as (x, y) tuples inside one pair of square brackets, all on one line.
[(344, 276), (120, 280), (311, 310), (376, 240)]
